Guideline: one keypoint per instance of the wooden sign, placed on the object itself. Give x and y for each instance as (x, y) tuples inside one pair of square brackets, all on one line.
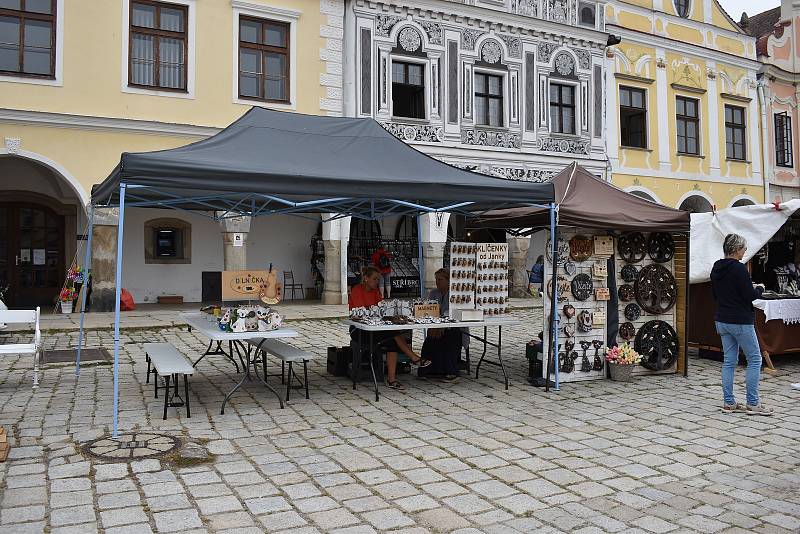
[(604, 245), (242, 285), (598, 317), (421, 310), (602, 293), (580, 248), (600, 269)]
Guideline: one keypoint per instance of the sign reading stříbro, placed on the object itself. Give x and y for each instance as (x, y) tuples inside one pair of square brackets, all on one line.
[(242, 285)]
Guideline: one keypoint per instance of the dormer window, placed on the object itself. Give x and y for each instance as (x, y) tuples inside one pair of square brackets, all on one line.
[(682, 8)]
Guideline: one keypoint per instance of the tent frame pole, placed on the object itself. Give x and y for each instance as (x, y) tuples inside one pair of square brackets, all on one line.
[(688, 308), (86, 271), (421, 258), (553, 326), (118, 294)]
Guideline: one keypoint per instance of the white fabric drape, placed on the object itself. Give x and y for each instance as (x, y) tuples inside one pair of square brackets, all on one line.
[(756, 223), (787, 310)]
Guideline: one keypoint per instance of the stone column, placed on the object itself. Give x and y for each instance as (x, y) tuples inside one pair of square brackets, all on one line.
[(104, 259), (518, 261), (335, 236), (433, 237), (235, 257)]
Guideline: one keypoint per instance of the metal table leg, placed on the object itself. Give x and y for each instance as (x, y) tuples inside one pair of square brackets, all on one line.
[(246, 362), (485, 339), (372, 366)]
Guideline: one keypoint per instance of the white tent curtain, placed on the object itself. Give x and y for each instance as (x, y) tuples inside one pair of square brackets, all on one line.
[(756, 223)]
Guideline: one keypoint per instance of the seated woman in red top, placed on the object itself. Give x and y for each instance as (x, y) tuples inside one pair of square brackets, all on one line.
[(366, 294)]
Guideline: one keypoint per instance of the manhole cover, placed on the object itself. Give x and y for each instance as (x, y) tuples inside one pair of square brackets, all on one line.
[(69, 355), (134, 446)]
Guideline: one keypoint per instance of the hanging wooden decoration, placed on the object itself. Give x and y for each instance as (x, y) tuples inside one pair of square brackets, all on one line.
[(563, 251), (629, 273), (600, 269), (602, 293), (598, 317), (657, 342), (603, 245), (582, 286), (632, 247), (581, 248), (625, 293), (563, 288), (661, 247), (627, 331), (656, 290)]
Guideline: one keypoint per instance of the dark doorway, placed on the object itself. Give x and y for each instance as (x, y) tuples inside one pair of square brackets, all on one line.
[(31, 254)]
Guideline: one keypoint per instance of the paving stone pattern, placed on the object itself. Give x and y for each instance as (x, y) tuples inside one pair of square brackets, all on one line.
[(653, 456)]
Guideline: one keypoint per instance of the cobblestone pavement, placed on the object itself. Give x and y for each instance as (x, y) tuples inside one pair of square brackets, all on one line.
[(655, 455)]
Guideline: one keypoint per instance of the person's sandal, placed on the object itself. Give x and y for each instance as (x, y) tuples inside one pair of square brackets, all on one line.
[(759, 410), (399, 386), (732, 408)]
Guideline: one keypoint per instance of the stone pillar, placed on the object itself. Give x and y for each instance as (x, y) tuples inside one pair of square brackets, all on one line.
[(104, 259), (518, 261), (335, 236), (433, 238), (235, 257)]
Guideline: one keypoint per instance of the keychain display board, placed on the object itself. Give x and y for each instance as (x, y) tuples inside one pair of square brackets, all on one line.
[(582, 307), (491, 292), (647, 292), (479, 277), (462, 276)]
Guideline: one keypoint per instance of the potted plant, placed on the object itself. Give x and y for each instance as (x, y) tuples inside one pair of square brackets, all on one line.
[(67, 295), (621, 360)]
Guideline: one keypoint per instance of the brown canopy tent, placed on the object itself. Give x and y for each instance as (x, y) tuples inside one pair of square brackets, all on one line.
[(586, 201)]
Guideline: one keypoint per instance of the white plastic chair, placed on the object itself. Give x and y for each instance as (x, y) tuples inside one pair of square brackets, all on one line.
[(35, 347)]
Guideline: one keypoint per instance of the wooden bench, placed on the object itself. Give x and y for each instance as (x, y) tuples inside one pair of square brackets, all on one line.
[(168, 361), (34, 347), (288, 354)]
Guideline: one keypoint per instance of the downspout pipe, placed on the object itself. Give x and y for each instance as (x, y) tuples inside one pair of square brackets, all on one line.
[(766, 167)]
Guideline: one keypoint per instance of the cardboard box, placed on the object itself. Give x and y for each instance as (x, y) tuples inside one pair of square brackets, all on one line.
[(468, 315)]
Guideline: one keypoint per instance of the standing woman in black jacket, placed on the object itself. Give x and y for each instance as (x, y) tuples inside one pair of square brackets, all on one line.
[(734, 293)]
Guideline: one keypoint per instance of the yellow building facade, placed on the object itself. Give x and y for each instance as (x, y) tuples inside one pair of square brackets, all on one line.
[(683, 116), (82, 82)]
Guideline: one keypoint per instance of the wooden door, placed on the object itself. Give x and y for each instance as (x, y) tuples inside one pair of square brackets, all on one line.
[(32, 262)]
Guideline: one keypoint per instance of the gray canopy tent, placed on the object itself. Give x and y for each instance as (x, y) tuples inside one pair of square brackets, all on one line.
[(270, 162)]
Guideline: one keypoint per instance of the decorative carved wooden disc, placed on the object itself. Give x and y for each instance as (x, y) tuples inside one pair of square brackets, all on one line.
[(582, 286), (563, 250), (632, 311), (632, 247), (627, 331), (657, 342), (563, 288), (625, 293), (656, 290), (581, 248), (661, 247), (629, 273)]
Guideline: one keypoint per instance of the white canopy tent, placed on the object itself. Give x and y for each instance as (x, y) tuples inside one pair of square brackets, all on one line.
[(756, 223)]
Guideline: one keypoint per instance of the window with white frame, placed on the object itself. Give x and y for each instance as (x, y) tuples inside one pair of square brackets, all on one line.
[(562, 108), (633, 117), (408, 89), (28, 37), (735, 132), (158, 49), (687, 123), (263, 59), (488, 99), (783, 140)]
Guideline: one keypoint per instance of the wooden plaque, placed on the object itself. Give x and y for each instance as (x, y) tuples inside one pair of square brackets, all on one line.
[(604, 245), (242, 285), (600, 269), (598, 318), (602, 293)]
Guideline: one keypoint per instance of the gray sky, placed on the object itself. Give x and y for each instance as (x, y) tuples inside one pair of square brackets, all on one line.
[(751, 7)]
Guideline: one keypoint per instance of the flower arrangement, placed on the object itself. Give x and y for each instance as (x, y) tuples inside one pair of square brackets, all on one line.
[(622, 355), (75, 274), (68, 294)]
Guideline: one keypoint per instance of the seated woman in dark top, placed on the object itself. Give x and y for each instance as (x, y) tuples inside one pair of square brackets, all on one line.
[(442, 345), (366, 294)]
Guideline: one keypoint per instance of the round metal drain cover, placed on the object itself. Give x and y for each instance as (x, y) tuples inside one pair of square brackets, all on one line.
[(134, 446)]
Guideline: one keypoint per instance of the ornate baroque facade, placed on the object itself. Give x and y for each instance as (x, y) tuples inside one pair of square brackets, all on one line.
[(484, 73)]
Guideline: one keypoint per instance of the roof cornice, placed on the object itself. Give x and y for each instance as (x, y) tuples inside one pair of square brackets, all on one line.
[(485, 18)]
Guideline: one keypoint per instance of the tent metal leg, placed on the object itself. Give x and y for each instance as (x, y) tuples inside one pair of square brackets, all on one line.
[(553, 321), (87, 259), (421, 258), (118, 291)]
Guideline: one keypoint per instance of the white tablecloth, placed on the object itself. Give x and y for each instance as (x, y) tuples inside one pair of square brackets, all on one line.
[(787, 310)]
